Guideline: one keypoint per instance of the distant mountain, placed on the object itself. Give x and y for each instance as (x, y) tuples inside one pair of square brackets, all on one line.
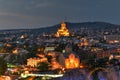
[(73, 26), (70, 26)]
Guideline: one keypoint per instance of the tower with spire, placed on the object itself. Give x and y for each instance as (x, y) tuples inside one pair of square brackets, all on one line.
[(63, 31)]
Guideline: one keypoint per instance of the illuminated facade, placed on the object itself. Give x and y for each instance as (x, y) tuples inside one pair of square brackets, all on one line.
[(19, 51), (55, 64), (72, 62), (33, 62), (84, 42), (5, 78), (63, 31), (112, 38), (22, 36)]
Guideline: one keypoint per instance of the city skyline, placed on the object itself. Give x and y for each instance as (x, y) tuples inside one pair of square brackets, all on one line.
[(42, 13)]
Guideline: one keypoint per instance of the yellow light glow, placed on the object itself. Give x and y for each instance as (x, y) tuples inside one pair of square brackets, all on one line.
[(72, 62), (63, 31), (5, 78)]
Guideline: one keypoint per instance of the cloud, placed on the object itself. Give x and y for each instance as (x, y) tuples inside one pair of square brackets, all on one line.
[(43, 5), (17, 20), (40, 4), (47, 12), (13, 14)]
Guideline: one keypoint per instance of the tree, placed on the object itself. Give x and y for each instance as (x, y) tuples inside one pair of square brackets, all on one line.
[(32, 51), (3, 66), (60, 47), (43, 66), (49, 58), (114, 61), (96, 63)]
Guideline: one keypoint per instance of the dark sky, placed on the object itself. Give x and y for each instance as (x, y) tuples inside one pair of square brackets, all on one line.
[(41, 13)]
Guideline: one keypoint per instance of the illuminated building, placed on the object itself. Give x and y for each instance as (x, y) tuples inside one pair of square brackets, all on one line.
[(33, 62), (15, 51), (8, 45), (49, 49), (55, 64), (40, 49), (63, 31), (19, 51), (22, 36), (84, 42), (112, 38), (5, 78), (72, 62)]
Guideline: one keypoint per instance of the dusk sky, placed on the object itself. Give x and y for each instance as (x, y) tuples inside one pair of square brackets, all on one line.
[(42, 13)]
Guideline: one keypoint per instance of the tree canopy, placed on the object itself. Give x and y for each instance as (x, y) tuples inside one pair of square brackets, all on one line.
[(3, 66)]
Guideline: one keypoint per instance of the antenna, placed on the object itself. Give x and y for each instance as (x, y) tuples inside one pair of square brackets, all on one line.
[(65, 19)]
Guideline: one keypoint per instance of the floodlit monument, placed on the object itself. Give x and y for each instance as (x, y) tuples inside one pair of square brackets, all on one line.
[(63, 31), (72, 62)]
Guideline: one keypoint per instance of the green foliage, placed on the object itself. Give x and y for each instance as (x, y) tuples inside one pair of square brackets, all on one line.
[(114, 61), (95, 75), (43, 66), (49, 58), (2, 50), (94, 63), (60, 47), (3, 66), (32, 51)]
